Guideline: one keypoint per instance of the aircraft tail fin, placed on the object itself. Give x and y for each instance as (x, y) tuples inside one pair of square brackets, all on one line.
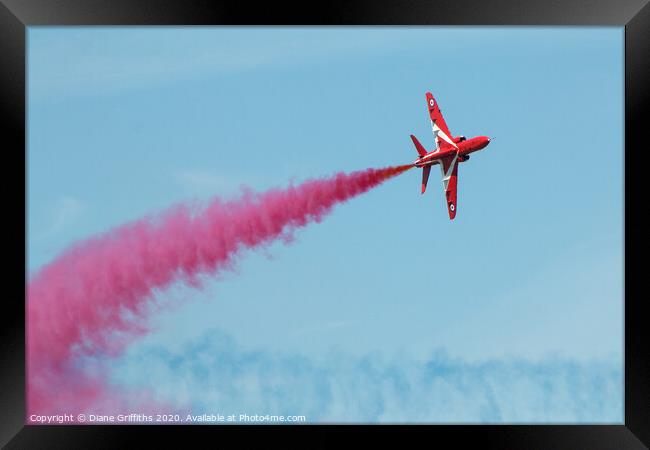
[(425, 177), (418, 146)]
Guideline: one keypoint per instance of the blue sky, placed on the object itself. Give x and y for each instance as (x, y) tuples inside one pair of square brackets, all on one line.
[(528, 278)]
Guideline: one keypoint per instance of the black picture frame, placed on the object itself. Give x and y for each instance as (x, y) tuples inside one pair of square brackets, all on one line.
[(17, 15)]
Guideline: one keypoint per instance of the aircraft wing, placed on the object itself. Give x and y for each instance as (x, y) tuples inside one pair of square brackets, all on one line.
[(449, 168), (441, 132)]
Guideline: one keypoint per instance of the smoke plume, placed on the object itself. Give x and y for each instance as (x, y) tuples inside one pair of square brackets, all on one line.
[(92, 299)]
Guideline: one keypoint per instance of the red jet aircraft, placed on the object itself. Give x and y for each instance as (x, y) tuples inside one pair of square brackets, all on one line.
[(449, 152)]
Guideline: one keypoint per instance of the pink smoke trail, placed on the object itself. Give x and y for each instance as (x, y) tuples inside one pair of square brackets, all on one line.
[(91, 300)]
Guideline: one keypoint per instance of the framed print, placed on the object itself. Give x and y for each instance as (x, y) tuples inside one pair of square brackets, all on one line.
[(239, 217)]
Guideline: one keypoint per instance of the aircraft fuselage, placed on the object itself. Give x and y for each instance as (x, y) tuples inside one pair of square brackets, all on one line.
[(465, 147), (449, 152)]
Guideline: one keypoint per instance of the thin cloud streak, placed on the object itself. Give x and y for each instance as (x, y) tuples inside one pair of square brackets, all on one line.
[(214, 375), (83, 61), (66, 211)]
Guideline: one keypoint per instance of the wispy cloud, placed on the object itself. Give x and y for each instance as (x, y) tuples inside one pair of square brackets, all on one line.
[(214, 375), (66, 211), (69, 62)]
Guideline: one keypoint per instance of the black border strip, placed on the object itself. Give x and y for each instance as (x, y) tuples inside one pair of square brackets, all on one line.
[(637, 349), (12, 331), (16, 15), (358, 12)]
